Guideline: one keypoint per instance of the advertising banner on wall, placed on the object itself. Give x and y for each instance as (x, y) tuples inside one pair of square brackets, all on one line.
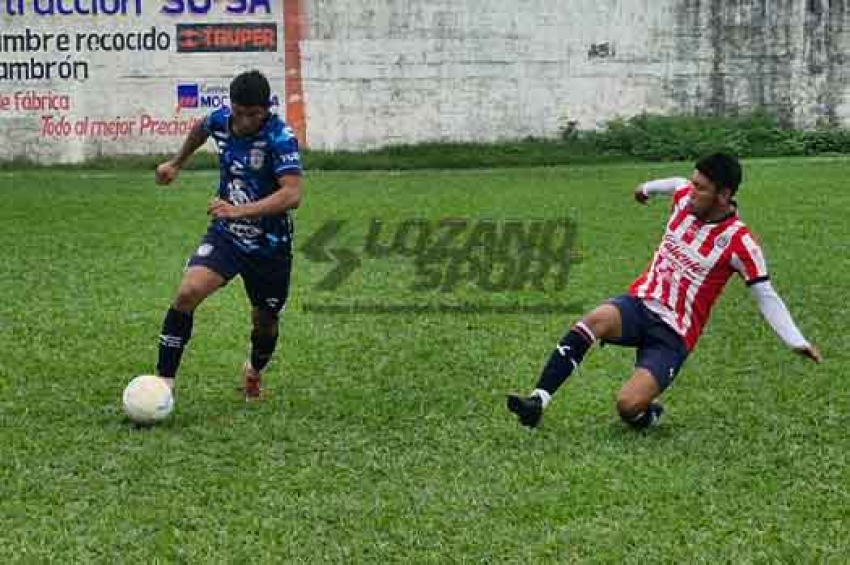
[(84, 78)]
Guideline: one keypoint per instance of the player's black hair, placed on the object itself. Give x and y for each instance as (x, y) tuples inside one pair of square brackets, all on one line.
[(250, 89), (722, 169)]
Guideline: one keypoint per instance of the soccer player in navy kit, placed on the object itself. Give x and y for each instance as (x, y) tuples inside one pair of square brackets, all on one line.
[(251, 229)]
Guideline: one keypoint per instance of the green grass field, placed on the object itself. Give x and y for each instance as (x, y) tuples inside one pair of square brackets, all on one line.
[(384, 437)]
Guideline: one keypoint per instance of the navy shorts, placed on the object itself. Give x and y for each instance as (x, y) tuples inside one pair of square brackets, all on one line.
[(266, 276), (660, 350)]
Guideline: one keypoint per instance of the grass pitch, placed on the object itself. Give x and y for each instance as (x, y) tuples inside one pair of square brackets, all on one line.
[(384, 438)]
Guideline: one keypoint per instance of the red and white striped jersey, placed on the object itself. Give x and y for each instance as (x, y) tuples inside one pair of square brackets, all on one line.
[(693, 264)]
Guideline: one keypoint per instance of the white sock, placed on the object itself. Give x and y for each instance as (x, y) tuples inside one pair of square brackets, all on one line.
[(545, 397)]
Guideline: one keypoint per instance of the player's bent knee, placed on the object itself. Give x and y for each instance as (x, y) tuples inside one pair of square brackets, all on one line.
[(188, 297), (604, 321), (630, 407)]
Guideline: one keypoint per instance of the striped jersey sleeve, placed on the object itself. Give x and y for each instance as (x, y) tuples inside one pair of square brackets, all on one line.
[(748, 258), (681, 197)]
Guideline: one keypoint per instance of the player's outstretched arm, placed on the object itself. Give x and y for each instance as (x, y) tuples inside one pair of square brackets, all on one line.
[(166, 172), (668, 187), (779, 318)]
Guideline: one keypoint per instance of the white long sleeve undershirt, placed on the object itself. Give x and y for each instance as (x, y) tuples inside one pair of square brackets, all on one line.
[(663, 186), (776, 313)]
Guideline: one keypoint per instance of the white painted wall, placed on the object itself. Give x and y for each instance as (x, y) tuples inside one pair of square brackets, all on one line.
[(379, 72)]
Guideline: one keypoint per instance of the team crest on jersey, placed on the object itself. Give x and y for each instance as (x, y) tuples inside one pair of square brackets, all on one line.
[(722, 242), (256, 158)]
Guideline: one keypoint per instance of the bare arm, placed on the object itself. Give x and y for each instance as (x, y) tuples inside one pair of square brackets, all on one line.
[(779, 318), (287, 196), (660, 186), (166, 172)]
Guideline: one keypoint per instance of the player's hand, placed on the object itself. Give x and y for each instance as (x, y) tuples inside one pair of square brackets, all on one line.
[(222, 209), (166, 172), (811, 352), (640, 195)]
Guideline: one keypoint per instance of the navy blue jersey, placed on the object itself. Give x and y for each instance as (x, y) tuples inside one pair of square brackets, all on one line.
[(250, 167)]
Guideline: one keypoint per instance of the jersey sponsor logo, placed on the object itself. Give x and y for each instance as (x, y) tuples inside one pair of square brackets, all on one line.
[(236, 193), (681, 255), (244, 231)]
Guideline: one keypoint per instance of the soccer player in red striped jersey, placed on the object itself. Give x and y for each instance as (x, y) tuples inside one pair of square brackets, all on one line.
[(667, 306)]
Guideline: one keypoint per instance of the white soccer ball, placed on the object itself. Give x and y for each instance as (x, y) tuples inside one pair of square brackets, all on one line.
[(147, 399)]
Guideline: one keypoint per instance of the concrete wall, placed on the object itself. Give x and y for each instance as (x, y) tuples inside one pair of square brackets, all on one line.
[(357, 74), (111, 88)]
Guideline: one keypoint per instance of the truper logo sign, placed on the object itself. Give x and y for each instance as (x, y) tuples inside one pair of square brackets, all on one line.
[(214, 38)]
